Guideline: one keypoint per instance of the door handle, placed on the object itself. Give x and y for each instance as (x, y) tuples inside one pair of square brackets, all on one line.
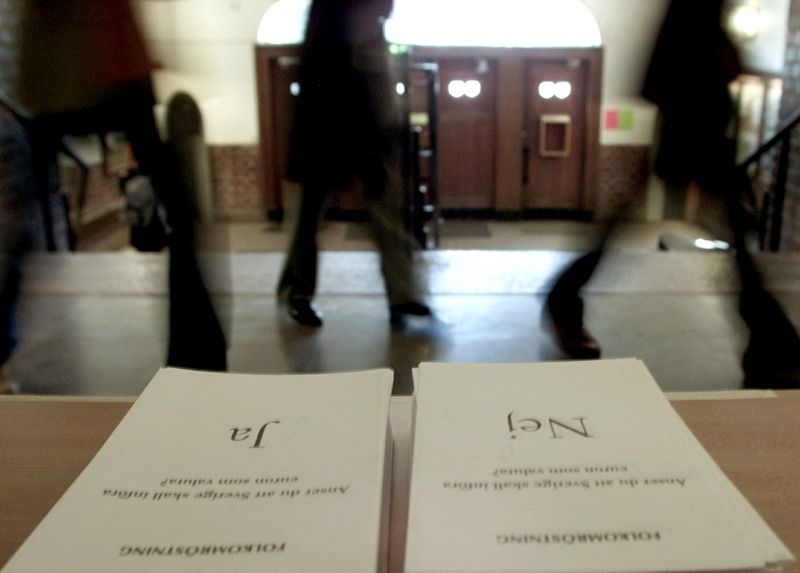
[(555, 124)]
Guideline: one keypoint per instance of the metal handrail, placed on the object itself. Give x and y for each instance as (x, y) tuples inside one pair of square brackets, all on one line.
[(774, 201), (783, 130)]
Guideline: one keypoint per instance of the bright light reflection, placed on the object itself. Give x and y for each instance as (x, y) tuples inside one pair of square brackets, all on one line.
[(400, 88), (744, 22), (499, 23), (284, 23), (294, 89), (461, 88), (456, 88), (563, 90), (547, 89), (472, 88), (709, 245)]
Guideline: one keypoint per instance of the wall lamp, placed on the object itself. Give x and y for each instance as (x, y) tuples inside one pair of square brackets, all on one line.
[(744, 21)]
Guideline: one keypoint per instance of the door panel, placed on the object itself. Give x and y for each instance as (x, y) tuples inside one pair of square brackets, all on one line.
[(555, 134), (466, 120)]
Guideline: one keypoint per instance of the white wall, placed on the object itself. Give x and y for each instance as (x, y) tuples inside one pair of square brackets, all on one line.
[(628, 29), (206, 47)]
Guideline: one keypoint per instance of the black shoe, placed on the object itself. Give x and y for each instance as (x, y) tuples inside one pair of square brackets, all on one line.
[(578, 344), (772, 378), (399, 312), (772, 357), (566, 320), (301, 310)]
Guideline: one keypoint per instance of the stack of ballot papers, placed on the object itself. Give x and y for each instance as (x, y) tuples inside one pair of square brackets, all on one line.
[(231, 472), (573, 467)]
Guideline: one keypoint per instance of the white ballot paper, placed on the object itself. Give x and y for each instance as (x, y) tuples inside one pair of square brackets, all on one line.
[(231, 472), (575, 467)]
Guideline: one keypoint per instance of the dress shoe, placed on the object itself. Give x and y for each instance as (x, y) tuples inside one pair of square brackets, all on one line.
[(399, 312), (579, 344), (571, 336), (772, 363), (772, 378), (301, 310)]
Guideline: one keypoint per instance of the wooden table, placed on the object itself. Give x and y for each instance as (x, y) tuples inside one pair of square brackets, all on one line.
[(45, 442)]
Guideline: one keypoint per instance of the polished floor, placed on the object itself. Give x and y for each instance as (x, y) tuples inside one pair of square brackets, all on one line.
[(94, 322)]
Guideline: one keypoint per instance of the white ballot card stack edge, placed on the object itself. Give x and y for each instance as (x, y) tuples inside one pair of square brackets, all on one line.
[(231, 472), (568, 467)]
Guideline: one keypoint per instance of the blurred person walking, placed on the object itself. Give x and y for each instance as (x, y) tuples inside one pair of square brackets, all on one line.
[(347, 128), (84, 69), (691, 67), (688, 78)]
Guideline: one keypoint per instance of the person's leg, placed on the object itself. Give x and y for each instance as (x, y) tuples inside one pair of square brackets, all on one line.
[(772, 356), (298, 281), (196, 339), (564, 306), (384, 205)]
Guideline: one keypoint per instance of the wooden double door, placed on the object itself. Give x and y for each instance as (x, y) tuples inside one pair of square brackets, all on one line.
[(552, 142), (517, 129)]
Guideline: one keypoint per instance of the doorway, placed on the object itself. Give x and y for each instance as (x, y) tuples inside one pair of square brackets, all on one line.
[(555, 135), (466, 117)]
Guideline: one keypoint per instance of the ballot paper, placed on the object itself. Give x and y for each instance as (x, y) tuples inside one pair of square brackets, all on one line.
[(576, 467), (231, 472)]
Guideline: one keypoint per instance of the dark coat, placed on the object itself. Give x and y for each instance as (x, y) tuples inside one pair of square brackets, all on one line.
[(691, 66), (345, 115), (75, 54)]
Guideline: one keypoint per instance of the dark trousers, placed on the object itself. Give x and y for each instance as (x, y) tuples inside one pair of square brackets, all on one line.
[(772, 357), (383, 204)]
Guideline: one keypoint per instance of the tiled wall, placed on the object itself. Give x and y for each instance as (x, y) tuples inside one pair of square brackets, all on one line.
[(234, 173), (622, 180), (235, 181)]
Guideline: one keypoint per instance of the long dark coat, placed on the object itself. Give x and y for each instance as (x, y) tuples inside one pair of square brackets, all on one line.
[(75, 54), (691, 66), (345, 114)]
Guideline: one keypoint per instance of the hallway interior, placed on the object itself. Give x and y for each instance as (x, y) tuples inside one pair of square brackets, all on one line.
[(94, 322)]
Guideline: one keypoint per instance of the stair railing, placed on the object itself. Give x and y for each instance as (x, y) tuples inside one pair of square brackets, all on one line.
[(771, 224)]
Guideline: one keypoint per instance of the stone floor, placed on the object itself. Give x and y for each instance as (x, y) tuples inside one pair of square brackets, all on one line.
[(93, 323)]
